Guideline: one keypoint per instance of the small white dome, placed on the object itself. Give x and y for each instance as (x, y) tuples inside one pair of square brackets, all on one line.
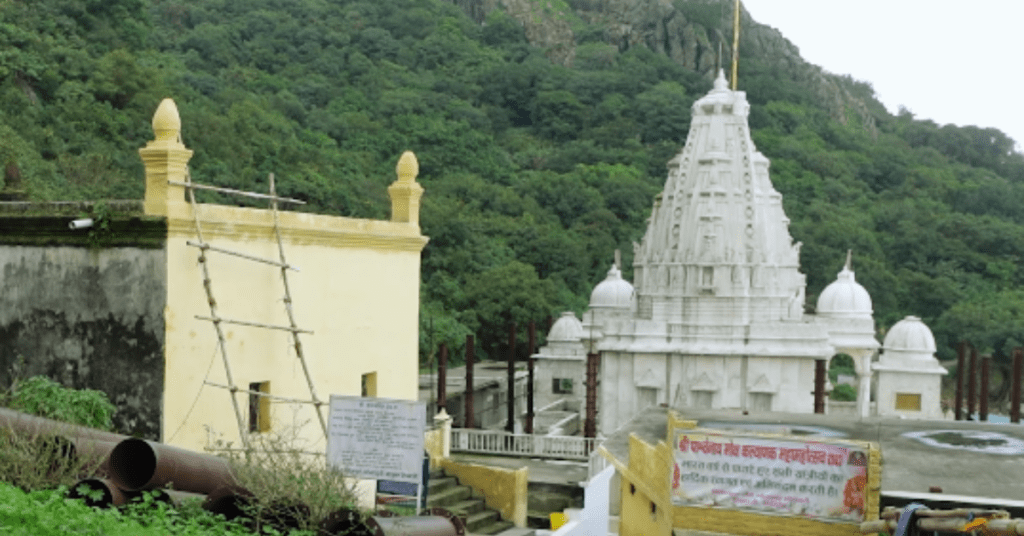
[(910, 335), (567, 328), (845, 297), (613, 291)]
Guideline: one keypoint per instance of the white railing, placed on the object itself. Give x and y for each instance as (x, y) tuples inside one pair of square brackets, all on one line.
[(536, 446)]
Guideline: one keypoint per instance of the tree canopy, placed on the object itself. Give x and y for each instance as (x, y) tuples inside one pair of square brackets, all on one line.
[(534, 172)]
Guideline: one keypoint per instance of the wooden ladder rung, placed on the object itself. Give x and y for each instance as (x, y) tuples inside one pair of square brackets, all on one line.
[(236, 192), (253, 324), (205, 246)]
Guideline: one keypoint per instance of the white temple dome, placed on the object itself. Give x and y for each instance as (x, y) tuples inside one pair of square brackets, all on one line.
[(567, 328), (844, 297), (613, 291), (910, 336)]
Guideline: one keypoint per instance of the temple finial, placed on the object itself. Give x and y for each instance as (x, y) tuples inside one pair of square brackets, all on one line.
[(849, 259)]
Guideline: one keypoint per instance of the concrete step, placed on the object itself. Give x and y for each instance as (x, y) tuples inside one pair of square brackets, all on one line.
[(448, 497), (437, 485), (538, 520), (512, 531), (498, 527), (467, 507), (481, 519), (549, 501)]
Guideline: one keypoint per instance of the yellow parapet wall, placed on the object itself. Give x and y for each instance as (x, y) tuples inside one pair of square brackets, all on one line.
[(503, 489)]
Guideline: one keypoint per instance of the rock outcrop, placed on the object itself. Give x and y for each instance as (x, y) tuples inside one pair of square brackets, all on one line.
[(697, 34)]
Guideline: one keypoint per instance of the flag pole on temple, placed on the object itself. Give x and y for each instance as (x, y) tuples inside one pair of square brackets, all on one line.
[(735, 42)]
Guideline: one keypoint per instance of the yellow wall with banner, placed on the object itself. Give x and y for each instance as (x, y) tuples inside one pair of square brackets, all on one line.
[(781, 484)]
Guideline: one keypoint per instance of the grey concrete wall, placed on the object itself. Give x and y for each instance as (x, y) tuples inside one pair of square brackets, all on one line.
[(88, 318)]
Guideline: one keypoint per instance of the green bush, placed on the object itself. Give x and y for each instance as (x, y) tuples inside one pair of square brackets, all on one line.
[(42, 396), (48, 513), (844, 393), (281, 473)]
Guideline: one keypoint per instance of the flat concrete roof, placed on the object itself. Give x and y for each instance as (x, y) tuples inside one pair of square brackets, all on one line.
[(485, 374), (963, 458)]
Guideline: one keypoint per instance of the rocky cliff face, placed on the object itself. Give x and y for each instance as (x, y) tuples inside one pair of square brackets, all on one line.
[(695, 33)]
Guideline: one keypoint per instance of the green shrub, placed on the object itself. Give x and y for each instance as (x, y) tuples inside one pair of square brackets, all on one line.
[(280, 473), (48, 513), (42, 396), (844, 393)]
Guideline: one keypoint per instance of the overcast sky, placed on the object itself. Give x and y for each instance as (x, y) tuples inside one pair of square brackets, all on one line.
[(951, 61)]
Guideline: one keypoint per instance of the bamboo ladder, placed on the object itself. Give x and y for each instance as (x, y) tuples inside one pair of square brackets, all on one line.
[(217, 320)]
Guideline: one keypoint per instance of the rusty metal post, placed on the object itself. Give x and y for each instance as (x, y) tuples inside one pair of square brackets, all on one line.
[(442, 377), (510, 423), (468, 395), (983, 392), (590, 422), (819, 386), (1018, 358), (972, 375), (531, 348), (961, 362)]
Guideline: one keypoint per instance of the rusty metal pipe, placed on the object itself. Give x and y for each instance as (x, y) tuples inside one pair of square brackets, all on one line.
[(590, 420), (109, 494), (972, 382), (92, 452), (510, 419), (442, 378), (820, 377), (1018, 358), (961, 366), (229, 501), (174, 497), (137, 464), (34, 425), (531, 348), (439, 523), (983, 395), (468, 395)]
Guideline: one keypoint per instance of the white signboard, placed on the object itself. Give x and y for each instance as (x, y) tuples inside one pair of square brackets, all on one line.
[(806, 478), (377, 438)]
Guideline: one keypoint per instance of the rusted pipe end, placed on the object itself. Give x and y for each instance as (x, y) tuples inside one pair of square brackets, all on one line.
[(98, 493), (457, 522), (132, 464), (228, 501), (425, 525)]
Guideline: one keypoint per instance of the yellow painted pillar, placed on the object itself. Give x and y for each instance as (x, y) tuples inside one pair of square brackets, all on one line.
[(405, 192), (165, 159)]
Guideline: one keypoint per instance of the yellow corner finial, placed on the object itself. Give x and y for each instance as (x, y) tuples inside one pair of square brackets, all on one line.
[(408, 167), (166, 121)]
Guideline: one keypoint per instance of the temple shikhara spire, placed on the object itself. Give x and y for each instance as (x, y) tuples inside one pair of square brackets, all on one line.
[(718, 235)]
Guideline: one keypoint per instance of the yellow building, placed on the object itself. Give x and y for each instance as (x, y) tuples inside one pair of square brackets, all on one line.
[(357, 291)]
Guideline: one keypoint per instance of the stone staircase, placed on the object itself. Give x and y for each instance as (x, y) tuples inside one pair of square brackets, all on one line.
[(446, 492)]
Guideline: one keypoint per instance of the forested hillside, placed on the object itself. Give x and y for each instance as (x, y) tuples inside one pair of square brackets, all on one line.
[(535, 171)]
